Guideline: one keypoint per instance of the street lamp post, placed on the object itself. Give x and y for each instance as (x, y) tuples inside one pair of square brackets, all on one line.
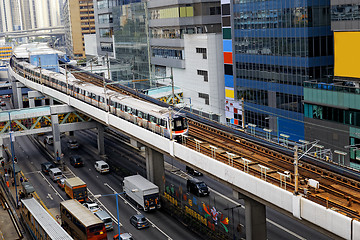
[(117, 205), (13, 157)]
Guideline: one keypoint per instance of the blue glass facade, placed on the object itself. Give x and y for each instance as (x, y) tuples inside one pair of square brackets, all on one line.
[(277, 45)]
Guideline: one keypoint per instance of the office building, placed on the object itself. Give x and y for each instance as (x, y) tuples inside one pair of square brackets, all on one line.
[(185, 40), (332, 110), (270, 49), (104, 26), (78, 21)]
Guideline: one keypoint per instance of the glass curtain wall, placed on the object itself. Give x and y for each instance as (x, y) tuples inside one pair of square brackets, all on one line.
[(278, 46), (131, 42)]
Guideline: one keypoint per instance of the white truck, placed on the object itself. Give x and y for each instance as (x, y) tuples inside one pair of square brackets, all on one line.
[(142, 191)]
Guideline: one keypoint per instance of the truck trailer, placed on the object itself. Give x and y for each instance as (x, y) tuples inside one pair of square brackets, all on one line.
[(142, 191), (76, 188)]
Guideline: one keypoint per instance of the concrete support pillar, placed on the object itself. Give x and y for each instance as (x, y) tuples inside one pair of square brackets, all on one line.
[(155, 168), (19, 95), (135, 143), (100, 139), (32, 95), (255, 218), (14, 92), (56, 136), (31, 102), (2, 151), (51, 101), (43, 102)]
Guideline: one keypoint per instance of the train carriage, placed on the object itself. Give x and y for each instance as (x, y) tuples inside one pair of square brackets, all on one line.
[(147, 115)]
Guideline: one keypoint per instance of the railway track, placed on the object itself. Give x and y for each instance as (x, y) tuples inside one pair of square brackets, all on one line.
[(336, 191)]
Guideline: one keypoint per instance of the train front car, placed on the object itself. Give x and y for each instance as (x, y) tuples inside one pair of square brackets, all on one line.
[(180, 126)]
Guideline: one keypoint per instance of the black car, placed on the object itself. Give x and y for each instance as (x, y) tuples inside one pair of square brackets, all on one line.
[(197, 187), (76, 161), (193, 171), (73, 144), (46, 166)]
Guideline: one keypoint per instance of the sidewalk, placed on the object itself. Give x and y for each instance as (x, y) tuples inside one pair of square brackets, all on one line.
[(8, 229)]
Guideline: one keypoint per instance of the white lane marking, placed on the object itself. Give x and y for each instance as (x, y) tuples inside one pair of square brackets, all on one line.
[(57, 193), (234, 202), (285, 229), (49, 196), (137, 211)]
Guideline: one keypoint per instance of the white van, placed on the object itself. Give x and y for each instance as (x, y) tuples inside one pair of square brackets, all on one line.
[(49, 139), (102, 166), (55, 174)]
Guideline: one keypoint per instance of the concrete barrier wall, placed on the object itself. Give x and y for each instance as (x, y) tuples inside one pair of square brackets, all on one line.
[(328, 219), (356, 230), (254, 185)]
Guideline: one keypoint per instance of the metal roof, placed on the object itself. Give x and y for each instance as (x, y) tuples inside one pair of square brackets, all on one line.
[(75, 181), (48, 223), (25, 50), (84, 215), (140, 182)]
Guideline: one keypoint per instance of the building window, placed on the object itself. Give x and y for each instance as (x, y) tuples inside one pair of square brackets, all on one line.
[(160, 71), (203, 51), (167, 53), (203, 73), (215, 10), (105, 18), (107, 47), (205, 96), (105, 32)]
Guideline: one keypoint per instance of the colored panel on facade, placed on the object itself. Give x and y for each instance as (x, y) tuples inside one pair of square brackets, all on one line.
[(228, 58), (229, 93), (229, 81), (225, 1), (227, 45), (226, 21), (225, 9), (228, 69), (347, 54), (226, 33)]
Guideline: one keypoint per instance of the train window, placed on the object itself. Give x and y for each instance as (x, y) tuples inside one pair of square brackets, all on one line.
[(152, 119), (177, 123), (102, 99), (112, 103), (128, 109), (70, 87), (140, 114), (134, 111), (162, 123)]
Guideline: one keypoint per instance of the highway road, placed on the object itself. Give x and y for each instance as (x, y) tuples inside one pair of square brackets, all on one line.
[(125, 160)]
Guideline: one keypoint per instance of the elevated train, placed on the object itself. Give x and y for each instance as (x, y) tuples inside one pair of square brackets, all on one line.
[(158, 119)]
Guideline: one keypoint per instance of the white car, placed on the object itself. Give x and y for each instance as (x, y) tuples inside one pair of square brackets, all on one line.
[(102, 167), (93, 207)]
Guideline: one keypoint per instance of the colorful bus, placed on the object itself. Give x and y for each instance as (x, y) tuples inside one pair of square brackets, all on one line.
[(80, 223), (40, 223)]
